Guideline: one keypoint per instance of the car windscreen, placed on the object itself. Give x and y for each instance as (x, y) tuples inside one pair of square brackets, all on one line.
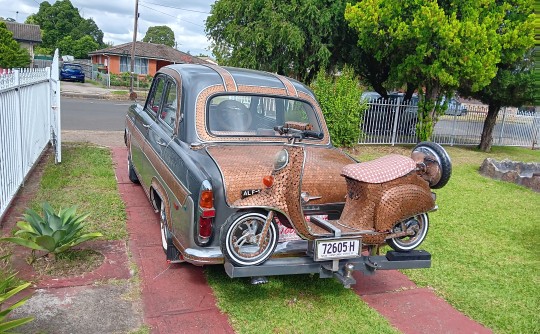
[(250, 115)]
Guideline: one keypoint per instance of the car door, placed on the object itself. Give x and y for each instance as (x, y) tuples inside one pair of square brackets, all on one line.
[(170, 163), (145, 121)]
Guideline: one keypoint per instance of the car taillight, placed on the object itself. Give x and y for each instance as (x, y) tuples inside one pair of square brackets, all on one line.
[(205, 228), (207, 212), (206, 199)]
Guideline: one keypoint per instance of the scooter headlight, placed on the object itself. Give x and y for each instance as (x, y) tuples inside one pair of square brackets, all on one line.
[(281, 160)]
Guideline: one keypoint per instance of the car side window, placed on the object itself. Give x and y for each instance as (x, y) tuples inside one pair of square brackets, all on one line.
[(156, 95), (168, 110)]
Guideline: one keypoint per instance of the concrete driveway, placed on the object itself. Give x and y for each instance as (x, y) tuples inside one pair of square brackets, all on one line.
[(78, 89)]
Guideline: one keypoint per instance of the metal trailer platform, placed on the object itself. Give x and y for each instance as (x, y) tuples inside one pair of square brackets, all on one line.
[(340, 269)]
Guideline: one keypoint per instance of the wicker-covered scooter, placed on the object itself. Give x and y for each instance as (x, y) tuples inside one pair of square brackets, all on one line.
[(387, 201)]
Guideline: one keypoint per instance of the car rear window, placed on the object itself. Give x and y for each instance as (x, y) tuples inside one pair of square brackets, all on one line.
[(73, 67), (249, 115)]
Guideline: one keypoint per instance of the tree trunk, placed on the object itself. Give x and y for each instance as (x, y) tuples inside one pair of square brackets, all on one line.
[(489, 125), (409, 92), (381, 90)]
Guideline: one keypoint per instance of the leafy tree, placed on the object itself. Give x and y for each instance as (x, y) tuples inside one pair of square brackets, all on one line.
[(294, 38), (159, 35), (514, 84), (11, 54), (434, 46), (79, 48), (62, 20)]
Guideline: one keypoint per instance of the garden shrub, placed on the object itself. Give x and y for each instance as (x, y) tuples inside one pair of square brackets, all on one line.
[(123, 80), (339, 97), (51, 232), (10, 286)]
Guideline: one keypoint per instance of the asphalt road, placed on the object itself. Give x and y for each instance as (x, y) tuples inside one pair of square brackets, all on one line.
[(94, 115)]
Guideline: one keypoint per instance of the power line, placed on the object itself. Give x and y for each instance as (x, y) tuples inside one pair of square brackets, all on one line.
[(170, 15), (188, 10)]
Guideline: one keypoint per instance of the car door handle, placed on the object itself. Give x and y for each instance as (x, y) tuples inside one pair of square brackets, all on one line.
[(161, 142), (147, 126)]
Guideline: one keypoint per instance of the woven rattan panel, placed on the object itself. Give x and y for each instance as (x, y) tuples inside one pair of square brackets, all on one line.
[(322, 175), (379, 207), (402, 202), (284, 195), (244, 166)]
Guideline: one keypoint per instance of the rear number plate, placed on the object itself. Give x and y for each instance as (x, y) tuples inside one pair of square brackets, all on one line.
[(337, 249), (249, 192)]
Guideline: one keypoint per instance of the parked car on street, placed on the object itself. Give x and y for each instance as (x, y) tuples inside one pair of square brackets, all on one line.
[(526, 111), (380, 117), (71, 72), (205, 147), (455, 107)]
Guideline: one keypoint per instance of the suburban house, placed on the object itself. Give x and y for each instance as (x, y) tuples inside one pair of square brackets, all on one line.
[(149, 58), (27, 35)]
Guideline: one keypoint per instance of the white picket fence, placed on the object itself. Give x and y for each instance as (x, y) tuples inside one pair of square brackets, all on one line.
[(29, 121)]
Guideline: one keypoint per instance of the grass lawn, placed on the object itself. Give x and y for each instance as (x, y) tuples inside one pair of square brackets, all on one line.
[(294, 304), (85, 178)]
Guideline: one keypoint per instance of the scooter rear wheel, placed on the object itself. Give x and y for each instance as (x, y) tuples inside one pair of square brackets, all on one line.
[(419, 224), (240, 236)]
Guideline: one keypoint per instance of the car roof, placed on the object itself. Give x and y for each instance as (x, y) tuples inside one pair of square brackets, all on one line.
[(204, 76)]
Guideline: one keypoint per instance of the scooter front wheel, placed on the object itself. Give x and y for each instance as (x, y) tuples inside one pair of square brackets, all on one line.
[(417, 227), (244, 241)]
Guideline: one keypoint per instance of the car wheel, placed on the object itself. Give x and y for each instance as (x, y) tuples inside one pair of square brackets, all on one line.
[(438, 166), (170, 250), (418, 225), (240, 236), (131, 171), (82, 80), (163, 227)]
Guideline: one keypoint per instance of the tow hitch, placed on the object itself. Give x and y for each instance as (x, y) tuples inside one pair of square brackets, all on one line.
[(340, 269)]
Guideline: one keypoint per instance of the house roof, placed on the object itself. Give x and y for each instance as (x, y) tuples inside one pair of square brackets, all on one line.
[(24, 32), (151, 51)]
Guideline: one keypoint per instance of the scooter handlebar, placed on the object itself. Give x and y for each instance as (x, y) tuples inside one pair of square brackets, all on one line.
[(313, 134)]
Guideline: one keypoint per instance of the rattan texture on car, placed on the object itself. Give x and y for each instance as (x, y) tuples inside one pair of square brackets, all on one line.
[(379, 206), (380, 170)]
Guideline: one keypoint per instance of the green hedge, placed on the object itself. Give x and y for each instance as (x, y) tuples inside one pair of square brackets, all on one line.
[(123, 80), (339, 97)]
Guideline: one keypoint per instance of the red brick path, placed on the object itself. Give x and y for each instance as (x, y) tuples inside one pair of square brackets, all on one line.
[(176, 297)]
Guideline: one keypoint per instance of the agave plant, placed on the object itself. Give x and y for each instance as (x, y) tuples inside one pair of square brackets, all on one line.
[(6, 292), (53, 232)]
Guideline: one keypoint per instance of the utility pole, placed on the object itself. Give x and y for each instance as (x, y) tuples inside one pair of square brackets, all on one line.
[(132, 69)]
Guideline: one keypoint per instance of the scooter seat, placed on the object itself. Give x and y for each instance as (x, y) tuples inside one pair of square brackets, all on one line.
[(380, 170)]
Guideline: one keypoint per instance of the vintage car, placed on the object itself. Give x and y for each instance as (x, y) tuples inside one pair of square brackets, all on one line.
[(206, 138)]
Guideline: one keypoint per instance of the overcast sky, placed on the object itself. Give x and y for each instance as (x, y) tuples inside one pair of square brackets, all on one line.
[(115, 18)]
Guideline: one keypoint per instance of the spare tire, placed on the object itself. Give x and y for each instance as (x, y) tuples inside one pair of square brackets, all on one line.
[(438, 166)]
